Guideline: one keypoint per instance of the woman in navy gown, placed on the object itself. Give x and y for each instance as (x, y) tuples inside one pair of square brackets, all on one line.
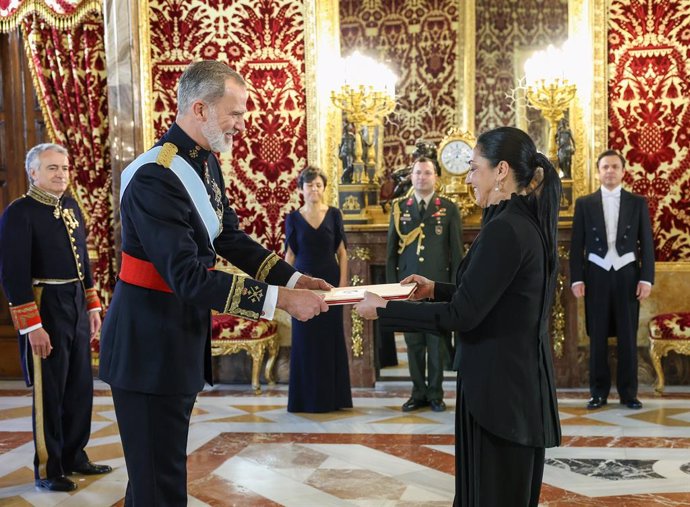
[(315, 244)]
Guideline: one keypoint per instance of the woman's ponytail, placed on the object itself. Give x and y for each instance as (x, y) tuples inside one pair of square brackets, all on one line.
[(548, 198)]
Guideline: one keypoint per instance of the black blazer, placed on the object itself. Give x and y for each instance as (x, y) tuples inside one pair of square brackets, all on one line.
[(634, 233), (497, 309)]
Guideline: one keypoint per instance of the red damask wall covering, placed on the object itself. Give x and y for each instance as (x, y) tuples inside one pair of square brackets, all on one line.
[(418, 40), (649, 112), (264, 41)]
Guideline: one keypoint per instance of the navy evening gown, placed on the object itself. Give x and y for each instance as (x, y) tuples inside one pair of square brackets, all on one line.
[(319, 374)]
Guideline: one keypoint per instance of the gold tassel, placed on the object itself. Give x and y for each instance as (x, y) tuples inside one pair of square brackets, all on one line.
[(54, 19)]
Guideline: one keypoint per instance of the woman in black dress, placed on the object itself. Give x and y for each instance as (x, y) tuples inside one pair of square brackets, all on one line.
[(315, 245), (506, 412)]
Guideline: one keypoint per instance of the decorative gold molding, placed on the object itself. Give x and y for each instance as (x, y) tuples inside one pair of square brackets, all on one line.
[(672, 267), (357, 333), (579, 28), (360, 253), (558, 310), (145, 74), (466, 66), (598, 17), (321, 47), (659, 349), (357, 324)]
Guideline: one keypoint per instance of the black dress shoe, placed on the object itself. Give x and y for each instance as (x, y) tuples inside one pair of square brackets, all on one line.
[(60, 483), (633, 403), (413, 404), (438, 405), (88, 468), (596, 402)]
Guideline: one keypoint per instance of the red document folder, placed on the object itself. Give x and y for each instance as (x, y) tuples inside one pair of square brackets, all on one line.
[(350, 295)]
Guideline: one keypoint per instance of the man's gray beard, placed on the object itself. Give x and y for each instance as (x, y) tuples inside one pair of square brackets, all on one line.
[(215, 138)]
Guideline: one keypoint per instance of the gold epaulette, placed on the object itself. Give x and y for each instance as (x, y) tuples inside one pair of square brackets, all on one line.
[(166, 155), (398, 199)]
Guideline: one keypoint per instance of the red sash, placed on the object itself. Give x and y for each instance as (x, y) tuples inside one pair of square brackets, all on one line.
[(142, 274)]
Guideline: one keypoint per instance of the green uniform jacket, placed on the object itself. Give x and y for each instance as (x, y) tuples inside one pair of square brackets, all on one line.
[(439, 252)]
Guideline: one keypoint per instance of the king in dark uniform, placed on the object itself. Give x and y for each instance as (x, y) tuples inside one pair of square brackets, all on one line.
[(156, 339), (54, 307)]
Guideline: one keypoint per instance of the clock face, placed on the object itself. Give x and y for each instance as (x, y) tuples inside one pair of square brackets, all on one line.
[(455, 157)]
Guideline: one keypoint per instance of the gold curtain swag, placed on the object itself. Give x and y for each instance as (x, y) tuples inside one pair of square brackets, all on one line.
[(11, 19)]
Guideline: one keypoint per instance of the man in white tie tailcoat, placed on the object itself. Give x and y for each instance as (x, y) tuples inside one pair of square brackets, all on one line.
[(612, 267)]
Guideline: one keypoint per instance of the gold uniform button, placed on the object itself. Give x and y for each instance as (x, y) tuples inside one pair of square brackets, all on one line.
[(421, 259), (422, 247), (422, 226)]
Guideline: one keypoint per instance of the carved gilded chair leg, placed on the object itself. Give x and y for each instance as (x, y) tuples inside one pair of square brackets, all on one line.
[(656, 361), (273, 348), (257, 359)]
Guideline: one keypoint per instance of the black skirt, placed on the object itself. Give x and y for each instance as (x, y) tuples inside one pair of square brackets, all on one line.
[(491, 471)]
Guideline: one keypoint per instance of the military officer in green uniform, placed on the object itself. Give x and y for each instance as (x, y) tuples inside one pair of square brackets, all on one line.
[(425, 238)]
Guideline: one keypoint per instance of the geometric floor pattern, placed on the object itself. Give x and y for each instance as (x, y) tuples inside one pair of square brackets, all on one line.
[(247, 450)]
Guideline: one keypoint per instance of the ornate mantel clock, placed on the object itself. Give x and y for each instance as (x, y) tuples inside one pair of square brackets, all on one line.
[(454, 155)]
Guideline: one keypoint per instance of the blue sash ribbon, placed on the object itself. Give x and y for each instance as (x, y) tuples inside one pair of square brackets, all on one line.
[(191, 181)]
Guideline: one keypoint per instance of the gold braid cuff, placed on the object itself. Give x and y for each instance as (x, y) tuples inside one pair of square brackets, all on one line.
[(405, 239), (92, 301), (25, 315), (266, 267), (232, 304)]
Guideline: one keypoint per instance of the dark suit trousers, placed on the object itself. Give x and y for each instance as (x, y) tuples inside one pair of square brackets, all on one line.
[(154, 432), (65, 417), (419, 347), (612, 309), (491, 471)]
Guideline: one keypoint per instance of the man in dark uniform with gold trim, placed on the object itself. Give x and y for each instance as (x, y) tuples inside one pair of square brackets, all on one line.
[(155, 345), (54, 307), (424, 238)]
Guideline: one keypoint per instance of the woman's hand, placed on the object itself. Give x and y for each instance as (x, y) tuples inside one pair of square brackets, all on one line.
[(425, 287), (367, 306)]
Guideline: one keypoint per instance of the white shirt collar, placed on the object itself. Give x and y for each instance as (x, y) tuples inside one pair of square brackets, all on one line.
[(616, 192)]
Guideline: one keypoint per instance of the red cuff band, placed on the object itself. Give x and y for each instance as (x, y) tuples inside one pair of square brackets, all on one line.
[(24, 316), (92, 301)]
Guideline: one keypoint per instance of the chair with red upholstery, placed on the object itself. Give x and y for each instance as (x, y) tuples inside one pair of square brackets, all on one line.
[(668, 332), (231, 334)]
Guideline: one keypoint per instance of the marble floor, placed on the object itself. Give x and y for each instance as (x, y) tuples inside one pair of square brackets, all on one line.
[(246, 450)]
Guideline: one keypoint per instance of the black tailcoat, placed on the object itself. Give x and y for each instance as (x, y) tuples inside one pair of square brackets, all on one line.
[(634, 234), (611, 305)]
